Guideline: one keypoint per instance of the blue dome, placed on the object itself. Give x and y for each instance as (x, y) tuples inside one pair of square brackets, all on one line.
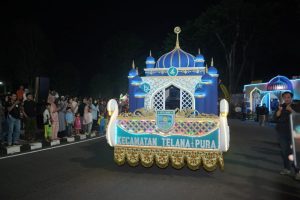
[(176, 58), (200, 92), (206, 78), (132, 73), (139, 93), (136, 81), (280, 83), (199, 58), (212, 70), (150, 60)]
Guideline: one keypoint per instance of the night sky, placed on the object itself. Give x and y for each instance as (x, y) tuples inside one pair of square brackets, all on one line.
[(77, 30)]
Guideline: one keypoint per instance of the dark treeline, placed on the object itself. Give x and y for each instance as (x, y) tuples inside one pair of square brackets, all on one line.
[(249, 40)]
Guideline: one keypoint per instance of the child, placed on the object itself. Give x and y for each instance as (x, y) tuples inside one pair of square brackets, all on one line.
[(47, 123), (106, 120), (101, 122), (69, 121), (77, 124)]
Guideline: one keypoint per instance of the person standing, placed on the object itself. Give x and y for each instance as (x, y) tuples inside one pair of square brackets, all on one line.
[(20, 93), (95, 111), (101, 122), (81, 111), (282, 118), (77, 124), (62, 105), (74, 105), (88, 118), (69, 121), (47, 123), (30, 117), (14, 122), (102, 106), (263, 112), (54, 115)]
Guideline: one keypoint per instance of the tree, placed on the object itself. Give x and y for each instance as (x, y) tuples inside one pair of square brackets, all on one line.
[(234, 31)]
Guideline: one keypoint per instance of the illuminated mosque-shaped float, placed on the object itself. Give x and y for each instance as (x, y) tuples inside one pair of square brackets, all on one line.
[(174, 116)]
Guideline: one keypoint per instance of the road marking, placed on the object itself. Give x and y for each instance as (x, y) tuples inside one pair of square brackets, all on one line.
[(50, 148)]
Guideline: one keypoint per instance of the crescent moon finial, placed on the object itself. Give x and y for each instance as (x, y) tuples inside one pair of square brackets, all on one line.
[(177, 30)]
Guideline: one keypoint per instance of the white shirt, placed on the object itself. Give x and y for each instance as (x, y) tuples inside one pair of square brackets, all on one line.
[(46, 116)]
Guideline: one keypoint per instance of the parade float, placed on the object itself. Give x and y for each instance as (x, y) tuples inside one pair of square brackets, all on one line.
[(174, 115)]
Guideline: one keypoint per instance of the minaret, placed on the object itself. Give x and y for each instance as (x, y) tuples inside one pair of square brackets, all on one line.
[(199, 60), (213, 72), (200, 97), (139, 95), (135, 83), (206, 81), (131, 75), (150, 61)]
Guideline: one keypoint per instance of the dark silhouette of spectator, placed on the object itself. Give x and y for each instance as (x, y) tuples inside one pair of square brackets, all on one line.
[(244, 111), (20, 93), (263, 112), (30, 113), (284, 132), (257, 110)]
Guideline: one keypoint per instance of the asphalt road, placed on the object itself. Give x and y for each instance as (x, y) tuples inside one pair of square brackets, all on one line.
[(87, 171)]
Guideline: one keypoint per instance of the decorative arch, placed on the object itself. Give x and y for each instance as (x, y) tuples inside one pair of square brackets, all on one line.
[(266, 100), (251, 97), (157, 100)]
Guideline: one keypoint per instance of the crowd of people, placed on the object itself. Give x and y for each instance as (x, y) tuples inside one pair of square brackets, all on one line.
[(57, 117), (62, 116)]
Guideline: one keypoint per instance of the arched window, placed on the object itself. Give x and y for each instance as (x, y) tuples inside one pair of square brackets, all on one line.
[(171, 98)]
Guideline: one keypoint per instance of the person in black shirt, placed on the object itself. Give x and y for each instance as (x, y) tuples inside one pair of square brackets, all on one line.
[(30, 117), (81, 111), (282, 118), (263, 115), (14, 122), (257, 110)]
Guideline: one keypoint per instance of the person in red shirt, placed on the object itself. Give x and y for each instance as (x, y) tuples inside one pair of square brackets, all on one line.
[(20, 93)]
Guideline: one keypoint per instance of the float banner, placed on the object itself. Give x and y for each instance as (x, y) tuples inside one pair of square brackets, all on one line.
[(210, 141)]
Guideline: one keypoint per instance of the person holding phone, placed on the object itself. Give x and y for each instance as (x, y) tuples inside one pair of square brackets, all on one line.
[(282, 117)]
